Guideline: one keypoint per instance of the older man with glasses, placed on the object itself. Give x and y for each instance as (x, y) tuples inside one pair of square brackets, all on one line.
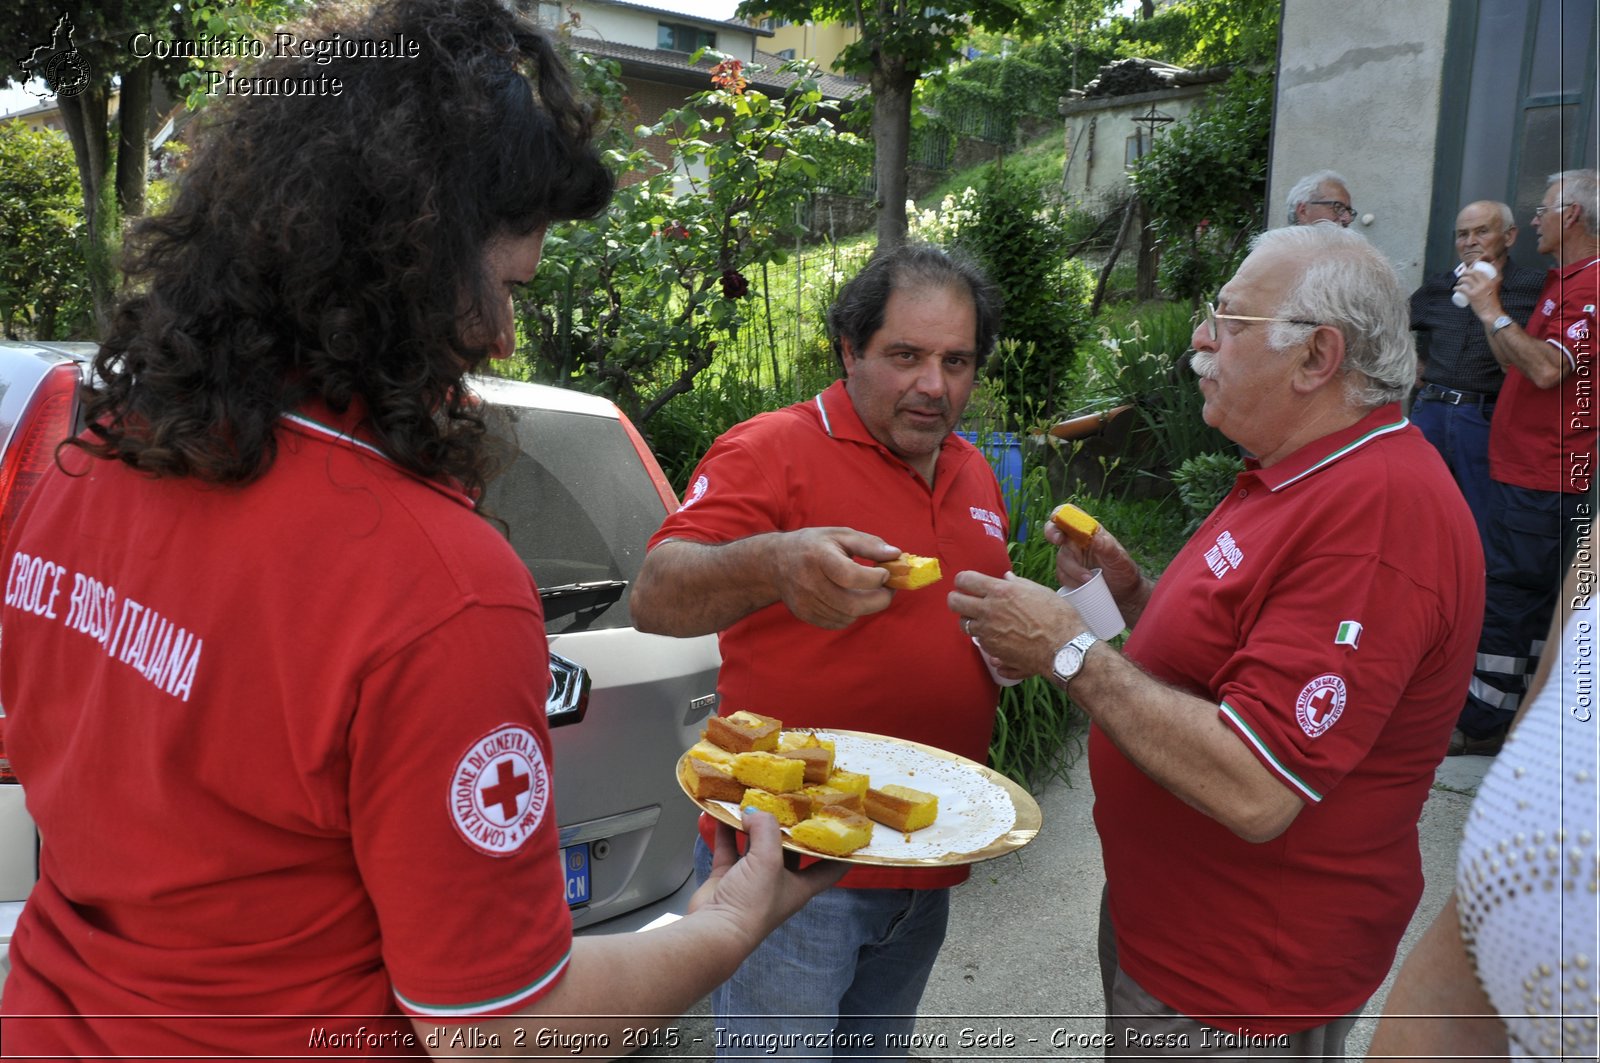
[(1262, 746), (1321, 196)]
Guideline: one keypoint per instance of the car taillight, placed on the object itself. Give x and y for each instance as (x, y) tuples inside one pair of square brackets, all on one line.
[(44, 424), (669, 497)]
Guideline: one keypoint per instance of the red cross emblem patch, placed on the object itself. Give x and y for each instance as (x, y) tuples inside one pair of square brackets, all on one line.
[(1320, 703), (500, 790)]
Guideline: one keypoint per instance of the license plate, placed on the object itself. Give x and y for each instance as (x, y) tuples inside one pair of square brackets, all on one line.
[(575, 859)]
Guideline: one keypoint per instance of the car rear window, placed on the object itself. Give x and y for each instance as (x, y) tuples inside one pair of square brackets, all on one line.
[(581, 507)]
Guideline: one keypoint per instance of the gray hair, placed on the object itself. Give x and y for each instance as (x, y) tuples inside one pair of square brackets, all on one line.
[(1305, 189), (1502, 211), (1583, 188), (1346, 283)]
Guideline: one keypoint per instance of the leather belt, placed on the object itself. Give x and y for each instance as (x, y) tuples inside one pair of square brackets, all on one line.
[(1455, 398)]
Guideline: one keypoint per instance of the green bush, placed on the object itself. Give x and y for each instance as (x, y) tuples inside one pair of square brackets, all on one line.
[(1141, 363), (1203, 183), (1192, 33), (1022, 242), (1037, 733), (844, 164), (1204, 480), (44, 286), (686, 427), (991, 97), (636, 304)]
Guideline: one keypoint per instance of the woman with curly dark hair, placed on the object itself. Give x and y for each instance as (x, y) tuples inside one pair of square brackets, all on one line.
[(289, 668)]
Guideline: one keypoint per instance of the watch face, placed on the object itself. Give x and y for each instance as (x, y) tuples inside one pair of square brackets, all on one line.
[(1068, 660)]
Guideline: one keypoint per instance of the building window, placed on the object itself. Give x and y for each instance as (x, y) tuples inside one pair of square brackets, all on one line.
[(787, 53), (1134, 149), (677, 37)]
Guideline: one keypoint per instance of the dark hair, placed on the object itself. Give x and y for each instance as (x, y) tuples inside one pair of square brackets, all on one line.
[(857, 312), (329, 246)]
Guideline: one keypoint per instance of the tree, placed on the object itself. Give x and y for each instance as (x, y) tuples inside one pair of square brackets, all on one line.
[(43, 285), (631, 304), (1234, 32), (1191, 33), (121, 48), (1023, 244), (901, 40)]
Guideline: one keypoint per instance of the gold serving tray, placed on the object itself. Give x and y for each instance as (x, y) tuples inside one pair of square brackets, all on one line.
[(982, 814)]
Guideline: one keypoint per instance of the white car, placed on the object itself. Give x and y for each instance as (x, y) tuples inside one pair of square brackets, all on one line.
[(581, 498)]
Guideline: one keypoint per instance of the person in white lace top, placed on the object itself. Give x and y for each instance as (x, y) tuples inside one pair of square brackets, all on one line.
[(1511, 966)]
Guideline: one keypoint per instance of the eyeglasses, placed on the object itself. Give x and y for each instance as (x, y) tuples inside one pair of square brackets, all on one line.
[(1343, 210), (1212, 317), (1539, 212)]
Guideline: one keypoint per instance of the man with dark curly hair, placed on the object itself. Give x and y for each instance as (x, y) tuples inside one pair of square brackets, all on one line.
[(284, 627)]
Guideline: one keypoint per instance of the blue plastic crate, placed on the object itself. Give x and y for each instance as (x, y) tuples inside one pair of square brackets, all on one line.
[(1004, 451)]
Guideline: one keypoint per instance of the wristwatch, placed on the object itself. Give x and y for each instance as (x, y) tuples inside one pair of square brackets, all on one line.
[(1069, 658), (1501, 322)]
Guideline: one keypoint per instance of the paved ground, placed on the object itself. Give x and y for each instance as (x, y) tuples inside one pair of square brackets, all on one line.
[(1019, 961)]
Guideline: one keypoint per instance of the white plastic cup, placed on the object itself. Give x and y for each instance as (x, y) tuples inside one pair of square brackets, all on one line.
[(1094, 603), (999, 679), (1480, 266)]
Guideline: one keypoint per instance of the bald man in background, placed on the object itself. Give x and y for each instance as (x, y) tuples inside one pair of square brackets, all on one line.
[(1459, 378)]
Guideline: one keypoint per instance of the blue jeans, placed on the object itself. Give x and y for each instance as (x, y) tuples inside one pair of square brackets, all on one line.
[(845, 973), (1461, 436)]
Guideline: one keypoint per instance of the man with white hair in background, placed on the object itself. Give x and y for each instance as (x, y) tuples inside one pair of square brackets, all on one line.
[(1262, 746), (1542, 447), (1459, 378), (1320, 196)]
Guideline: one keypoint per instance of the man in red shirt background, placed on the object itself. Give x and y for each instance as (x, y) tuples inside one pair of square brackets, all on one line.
[(1262, 748), (1541, 453)]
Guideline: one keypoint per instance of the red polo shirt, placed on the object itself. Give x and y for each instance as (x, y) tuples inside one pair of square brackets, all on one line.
[(1544, 438), (1331, 606), (286, 747), (907, 671)]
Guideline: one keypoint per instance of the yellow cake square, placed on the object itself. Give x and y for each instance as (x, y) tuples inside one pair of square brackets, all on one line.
[(711, 754), (850, 781), (901, 807), (709, 782), (829, 795), (788, 809), (743, 731), (769, 771), (834, 831), (910, 572)]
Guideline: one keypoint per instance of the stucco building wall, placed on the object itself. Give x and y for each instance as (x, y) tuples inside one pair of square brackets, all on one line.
[(1097, 132), (1364, 102)]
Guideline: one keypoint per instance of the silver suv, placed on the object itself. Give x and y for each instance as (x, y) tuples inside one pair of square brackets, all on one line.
[(581, 497)]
